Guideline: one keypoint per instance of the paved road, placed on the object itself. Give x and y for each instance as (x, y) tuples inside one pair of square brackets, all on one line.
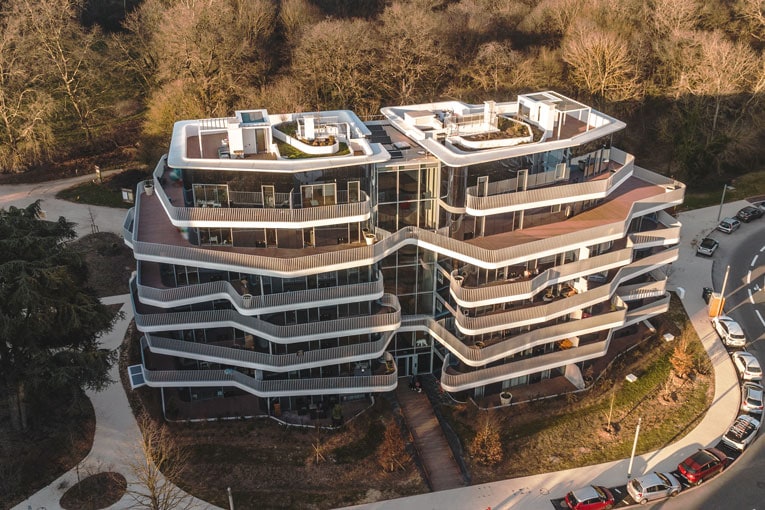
[(106, 219), (742, 486)]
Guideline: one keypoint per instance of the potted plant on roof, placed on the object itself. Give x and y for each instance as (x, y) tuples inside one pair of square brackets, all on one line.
[(148, 187)]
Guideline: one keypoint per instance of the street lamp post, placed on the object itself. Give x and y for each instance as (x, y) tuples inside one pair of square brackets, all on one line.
[(722, 200), (634, 447)]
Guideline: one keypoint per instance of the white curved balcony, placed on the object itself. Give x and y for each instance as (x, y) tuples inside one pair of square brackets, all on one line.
[(289, 334), (452, 382), (260, 304), (269, 362), (272, 387), (515, 344), (502, 195), (541, 313), (315, 261)]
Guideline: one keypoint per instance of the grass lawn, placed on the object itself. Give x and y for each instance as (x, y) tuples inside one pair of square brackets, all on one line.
[(746, 186), (108, 193)]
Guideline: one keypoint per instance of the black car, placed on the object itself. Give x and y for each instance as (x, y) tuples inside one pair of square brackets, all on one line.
[(749, 213)]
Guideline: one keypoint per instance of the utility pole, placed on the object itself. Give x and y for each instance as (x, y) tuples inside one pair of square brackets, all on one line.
[(722, 292), (230, 499)]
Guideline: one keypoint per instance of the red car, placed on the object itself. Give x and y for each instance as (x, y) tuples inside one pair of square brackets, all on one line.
[(702, 464), (592, 497)]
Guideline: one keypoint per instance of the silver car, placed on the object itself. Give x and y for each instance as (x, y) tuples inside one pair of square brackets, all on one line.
[(747, 365), (653, 486), (728, 225), (751, 398)]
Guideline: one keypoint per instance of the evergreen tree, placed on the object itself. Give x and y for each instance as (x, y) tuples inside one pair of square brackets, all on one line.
[(49, 321)]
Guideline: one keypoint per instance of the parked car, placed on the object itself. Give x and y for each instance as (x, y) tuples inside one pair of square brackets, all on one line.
[(702, 464), (728, 225), (653, 486), (592, 497), (742, 432), (707, 247), (747, 365), (751, 398), (749, 213), (730, 331)]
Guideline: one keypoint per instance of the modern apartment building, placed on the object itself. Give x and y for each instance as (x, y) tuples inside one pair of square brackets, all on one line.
[(311, 257)]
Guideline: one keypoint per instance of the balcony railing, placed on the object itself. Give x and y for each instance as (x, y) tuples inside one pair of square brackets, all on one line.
[(541, 313), (496, 374), (526, 289), (271, 387), (261, 217), (228, 259), (652, 309), (261, 304), (288, 334), (477, 357), (263, 361), (503, 195)]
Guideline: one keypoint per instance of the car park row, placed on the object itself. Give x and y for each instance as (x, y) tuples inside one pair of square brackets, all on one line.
[(709, 245)]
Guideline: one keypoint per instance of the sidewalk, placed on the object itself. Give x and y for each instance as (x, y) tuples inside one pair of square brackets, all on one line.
[(106, 219), (691, 273)]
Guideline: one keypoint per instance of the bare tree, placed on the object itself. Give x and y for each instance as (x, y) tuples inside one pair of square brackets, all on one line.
[(25, 109), (66, 55), (716, 67), (673, 16), (416, 66), (495, 67), (553, 16), (751, 15), (601, 63), (334, 63), (157, 460)]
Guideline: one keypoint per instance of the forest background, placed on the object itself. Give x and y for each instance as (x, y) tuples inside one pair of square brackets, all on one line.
[(100, 82)]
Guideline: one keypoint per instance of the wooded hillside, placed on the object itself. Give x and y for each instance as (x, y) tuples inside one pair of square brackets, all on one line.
[(107, 78)]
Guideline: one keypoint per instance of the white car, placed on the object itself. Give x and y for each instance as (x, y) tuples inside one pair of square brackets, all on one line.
[(747, 365), (742, 432), (729, 330), (751, 398)]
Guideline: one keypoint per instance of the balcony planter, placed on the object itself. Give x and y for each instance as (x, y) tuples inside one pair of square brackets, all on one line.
[(458, 279), (369, 238), (247, 300), (148, 187), (505, 398)]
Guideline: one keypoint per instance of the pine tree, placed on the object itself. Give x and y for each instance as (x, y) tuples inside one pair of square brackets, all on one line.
[(49, 320)]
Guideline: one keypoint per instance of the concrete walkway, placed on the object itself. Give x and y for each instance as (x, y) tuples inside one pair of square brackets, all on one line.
[(535, 492), (435, 454), (106, 219)]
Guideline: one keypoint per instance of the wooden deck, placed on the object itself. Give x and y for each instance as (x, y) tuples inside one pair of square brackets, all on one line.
[(441, 469)]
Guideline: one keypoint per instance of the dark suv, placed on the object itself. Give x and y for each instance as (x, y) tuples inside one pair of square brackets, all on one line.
[(749, 213), (702, 464)]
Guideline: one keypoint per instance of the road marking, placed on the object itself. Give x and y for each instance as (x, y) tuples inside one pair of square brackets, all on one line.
[(762, 249), (760, 316), (754, 261), (749, 277), (751, 299)]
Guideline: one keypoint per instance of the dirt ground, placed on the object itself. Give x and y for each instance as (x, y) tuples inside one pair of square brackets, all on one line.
[(110, 262)]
